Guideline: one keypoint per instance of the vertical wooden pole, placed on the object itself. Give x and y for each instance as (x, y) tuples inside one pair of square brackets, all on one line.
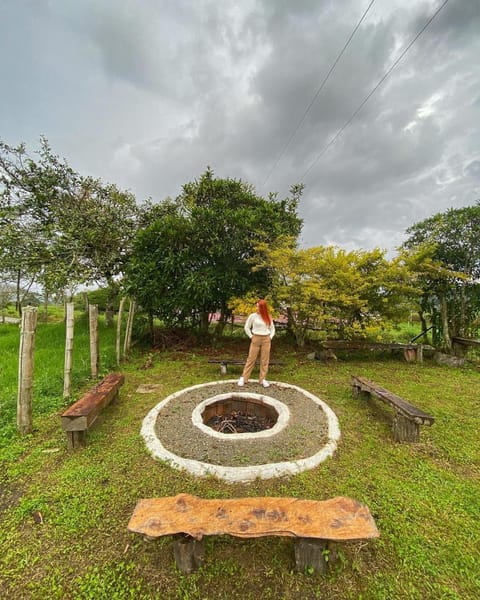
[(128, 332), (119, 329), (25, 369), (67, 373), (93, 326)]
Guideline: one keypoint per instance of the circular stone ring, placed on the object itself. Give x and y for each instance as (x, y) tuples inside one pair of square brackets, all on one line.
[(305, 434)]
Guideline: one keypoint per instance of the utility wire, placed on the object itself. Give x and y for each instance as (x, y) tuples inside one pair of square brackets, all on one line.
[(317, 93), (387, 73)]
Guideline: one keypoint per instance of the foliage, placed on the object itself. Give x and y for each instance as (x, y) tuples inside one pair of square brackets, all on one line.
[(450, 283), (333, 290), (193, 257), (57, 228)]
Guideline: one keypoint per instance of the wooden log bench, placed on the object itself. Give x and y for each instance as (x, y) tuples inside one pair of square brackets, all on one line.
[(411, 352), (407, 419), (223, 362), (313, 524), (461, 345), (81, 415)]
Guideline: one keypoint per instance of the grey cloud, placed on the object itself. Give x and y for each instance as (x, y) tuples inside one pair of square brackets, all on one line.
[(148, 94)]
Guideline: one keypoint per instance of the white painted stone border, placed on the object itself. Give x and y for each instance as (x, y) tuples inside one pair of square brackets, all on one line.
[(239, 474), (280, 407)]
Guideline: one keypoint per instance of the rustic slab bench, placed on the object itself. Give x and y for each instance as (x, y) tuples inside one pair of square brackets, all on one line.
[(408, 418), (312, 523), (461, 345), (80, 416), (235, 361), (411, 352)]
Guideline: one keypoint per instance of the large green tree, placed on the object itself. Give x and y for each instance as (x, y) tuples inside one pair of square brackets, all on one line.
[(57, 228), (451, 290), (339, 292), (195, 253)]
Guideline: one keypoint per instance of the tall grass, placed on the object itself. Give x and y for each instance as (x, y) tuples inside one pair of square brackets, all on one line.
[(48, 366)]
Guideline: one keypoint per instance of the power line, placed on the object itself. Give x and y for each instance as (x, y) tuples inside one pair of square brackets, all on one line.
[(386, 74), (317, 93)]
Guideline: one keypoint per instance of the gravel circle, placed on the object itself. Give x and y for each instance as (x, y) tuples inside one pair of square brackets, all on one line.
[(307, 431)]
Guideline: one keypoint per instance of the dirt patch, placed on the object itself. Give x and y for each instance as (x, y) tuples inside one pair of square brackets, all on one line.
[(9, 496)]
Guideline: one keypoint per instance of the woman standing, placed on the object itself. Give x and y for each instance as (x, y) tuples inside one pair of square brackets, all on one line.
[(260, 329)]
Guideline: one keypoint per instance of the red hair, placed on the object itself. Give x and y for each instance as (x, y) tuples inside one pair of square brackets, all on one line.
[(263, 312)]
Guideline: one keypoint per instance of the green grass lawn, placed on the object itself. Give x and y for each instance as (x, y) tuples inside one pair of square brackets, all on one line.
[(425, 497)]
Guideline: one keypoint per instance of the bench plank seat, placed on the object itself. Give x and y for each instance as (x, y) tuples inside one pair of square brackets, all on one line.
[(223, 362), (406, 426), (411, 352), (191, 518), (81, 415)]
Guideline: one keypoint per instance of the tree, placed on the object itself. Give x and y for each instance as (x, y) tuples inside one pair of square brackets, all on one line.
[(330, 289), (450, 286), (195, 254), (57, 228)]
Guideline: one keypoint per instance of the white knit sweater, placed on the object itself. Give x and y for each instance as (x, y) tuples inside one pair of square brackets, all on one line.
[(255, 325)]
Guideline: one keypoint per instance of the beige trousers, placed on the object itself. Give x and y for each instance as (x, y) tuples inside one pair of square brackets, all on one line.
[(259, 344)]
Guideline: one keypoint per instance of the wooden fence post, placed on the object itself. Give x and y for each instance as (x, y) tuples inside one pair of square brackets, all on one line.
[(67, 373), (119, 329), (93, 326), (25, 370), (128, 332)]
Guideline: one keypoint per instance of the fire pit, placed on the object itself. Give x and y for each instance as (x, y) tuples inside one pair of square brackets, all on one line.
[(241, 415), (301, 431)]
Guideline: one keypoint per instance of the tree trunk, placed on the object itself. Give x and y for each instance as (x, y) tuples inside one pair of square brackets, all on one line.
[(119, 330), (18, 304), (109, 314), (129, 328), (423, 324), (25, 370), (45, 305), (444, 316), (204, 321), (151, 326), (222, 322)]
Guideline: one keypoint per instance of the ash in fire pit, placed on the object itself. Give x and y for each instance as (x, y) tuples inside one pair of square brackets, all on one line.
[(239, 414), (240, 422)]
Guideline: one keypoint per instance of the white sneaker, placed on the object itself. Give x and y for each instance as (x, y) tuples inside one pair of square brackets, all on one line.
[(265, 383), (241, 382)]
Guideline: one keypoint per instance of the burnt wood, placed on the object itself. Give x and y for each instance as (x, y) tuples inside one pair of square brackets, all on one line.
[(408, 418), (81, 415), (190, 518)]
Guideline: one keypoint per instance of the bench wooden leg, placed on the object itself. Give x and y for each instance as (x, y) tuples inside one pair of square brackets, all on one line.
[(76, 439), (405, 430), (410, 354), (310, 553), (359, 393), (189, 553)]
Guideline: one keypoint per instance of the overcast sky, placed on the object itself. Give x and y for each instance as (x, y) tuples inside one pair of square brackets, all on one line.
[(147, 93)]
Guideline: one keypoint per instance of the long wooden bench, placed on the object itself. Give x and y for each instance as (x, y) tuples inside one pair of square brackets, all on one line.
[(408, 418), (223, 362), (461, 345), (313, 524), (411, 352), (81, 415)]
